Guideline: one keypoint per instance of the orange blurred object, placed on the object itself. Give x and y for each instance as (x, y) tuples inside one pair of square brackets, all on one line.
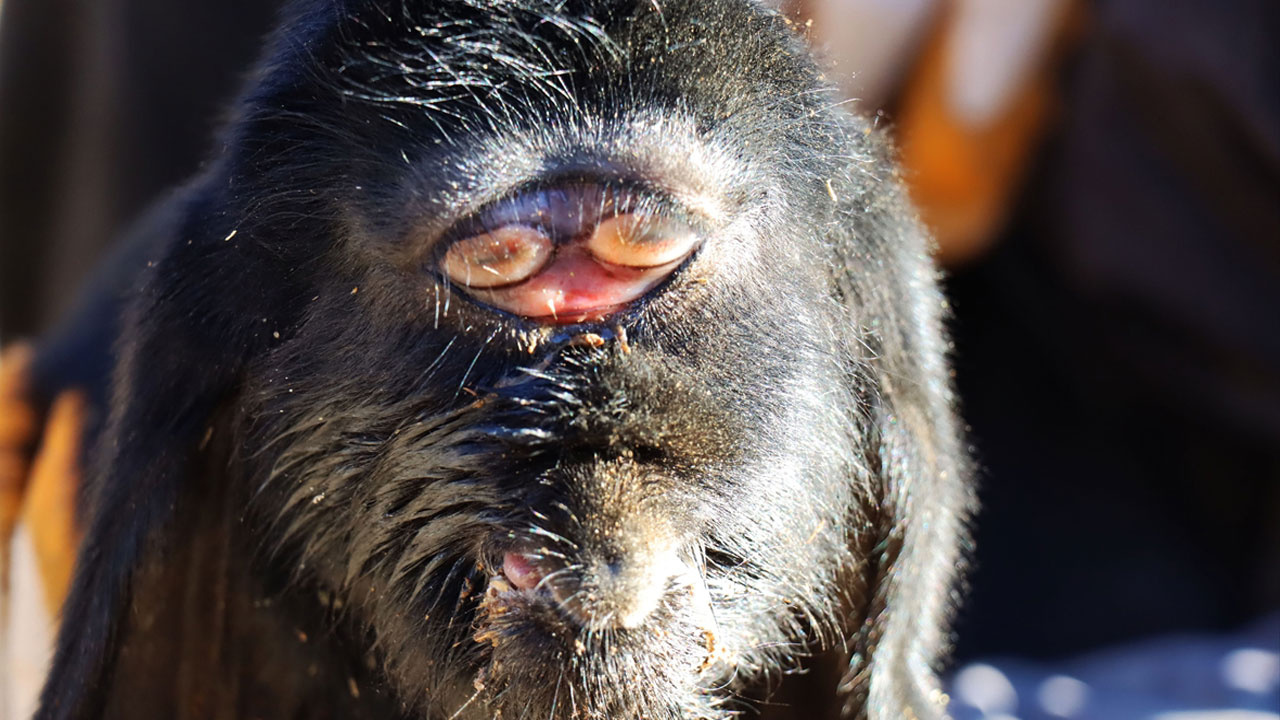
[(38, 483), (964, 175)]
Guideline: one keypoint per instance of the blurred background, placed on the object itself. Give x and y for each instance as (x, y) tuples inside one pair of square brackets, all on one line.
[(1103, 177)]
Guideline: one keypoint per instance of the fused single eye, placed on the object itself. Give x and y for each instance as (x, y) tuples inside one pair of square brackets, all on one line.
[(640, 240), (568, 254), (505, 256)]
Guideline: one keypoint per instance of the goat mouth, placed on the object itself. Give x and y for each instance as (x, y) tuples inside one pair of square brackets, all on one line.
[(531, 645), (512, 617), (522, 606), (501, 591), (517, 579), (516, 590), (520, 571)]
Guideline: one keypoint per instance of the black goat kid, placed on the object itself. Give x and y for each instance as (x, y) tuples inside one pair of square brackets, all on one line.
[(531, 360)]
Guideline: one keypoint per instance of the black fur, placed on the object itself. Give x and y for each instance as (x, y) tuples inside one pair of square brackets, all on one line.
[(317, 448)]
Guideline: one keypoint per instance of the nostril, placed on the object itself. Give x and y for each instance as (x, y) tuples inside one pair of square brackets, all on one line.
[(625, 591)]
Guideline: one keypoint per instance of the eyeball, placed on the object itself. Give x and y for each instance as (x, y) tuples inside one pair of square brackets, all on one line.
[(640, 241), (505, 256)]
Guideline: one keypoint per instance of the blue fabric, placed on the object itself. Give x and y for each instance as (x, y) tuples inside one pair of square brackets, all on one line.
[(1200, 677)]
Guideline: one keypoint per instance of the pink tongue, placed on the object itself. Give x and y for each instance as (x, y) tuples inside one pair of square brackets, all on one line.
[(575, 287), (520, 571)]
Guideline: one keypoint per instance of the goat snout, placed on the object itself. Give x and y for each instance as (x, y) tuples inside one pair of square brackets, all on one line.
[(613, 588)]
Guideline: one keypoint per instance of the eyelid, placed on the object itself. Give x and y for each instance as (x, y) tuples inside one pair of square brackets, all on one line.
[(542, 205)]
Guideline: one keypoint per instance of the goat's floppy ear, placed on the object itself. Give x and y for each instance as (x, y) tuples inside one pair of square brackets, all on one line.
[(920, 552), (186, 335), (920, 470)]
